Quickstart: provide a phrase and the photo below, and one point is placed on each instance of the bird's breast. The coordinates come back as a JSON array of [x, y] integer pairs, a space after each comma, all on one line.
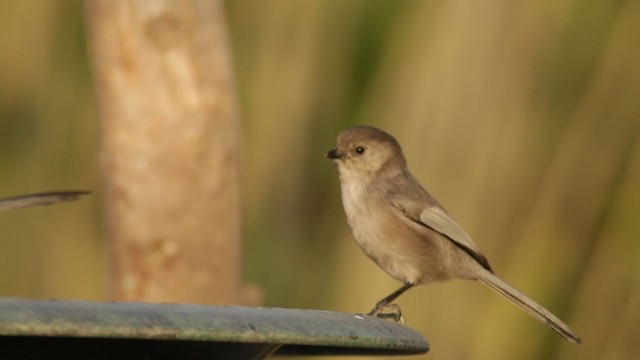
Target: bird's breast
[[382, 235]]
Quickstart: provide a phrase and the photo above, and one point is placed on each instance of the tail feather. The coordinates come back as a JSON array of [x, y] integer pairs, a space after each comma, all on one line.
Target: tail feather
[[528, 305], [38, 199]]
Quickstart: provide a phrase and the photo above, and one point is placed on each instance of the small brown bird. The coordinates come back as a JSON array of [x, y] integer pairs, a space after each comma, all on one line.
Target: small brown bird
[[405, 230]]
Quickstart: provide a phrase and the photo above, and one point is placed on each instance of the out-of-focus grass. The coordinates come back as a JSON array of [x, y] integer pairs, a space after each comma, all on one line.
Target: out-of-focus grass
[[522, 118], [48, 142]]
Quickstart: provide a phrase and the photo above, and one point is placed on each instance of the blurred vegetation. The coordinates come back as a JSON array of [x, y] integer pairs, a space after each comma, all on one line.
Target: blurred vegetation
[[522, 118]]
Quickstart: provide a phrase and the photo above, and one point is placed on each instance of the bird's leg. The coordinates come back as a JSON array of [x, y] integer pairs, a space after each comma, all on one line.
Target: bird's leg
[[394, 295], [388, 312], [385, 304]]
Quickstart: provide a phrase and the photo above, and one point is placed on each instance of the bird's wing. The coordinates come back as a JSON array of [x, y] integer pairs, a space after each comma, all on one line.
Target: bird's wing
[[48, 198], [437, 219], [408, 196]]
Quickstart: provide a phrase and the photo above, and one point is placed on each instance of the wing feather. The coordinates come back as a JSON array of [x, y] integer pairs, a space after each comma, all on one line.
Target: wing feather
[[407, 195], [437, 219]]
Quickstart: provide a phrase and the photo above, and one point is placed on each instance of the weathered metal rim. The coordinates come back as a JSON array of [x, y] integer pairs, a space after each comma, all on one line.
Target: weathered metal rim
[[87, 319]]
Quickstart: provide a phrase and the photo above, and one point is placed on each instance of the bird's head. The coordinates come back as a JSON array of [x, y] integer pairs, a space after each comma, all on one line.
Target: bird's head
[[365, 152]]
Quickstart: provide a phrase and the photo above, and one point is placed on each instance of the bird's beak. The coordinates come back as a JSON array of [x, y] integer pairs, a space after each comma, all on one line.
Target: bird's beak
[[333, 154]]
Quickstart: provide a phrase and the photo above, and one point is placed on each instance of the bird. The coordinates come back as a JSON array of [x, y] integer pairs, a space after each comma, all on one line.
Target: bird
[[405, 231], [39, 199]]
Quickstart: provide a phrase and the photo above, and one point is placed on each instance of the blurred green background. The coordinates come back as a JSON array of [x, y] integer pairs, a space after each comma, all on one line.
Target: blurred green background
[[522, 118]]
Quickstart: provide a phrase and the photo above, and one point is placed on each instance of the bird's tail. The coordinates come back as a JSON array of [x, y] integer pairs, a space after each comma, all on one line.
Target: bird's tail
[[531, 307], [44, 198]]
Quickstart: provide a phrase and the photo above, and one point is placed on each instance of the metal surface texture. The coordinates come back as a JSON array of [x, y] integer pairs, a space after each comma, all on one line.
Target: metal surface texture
[[32, 329]]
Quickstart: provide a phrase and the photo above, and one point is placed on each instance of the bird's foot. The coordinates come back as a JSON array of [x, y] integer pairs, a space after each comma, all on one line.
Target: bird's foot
[[387, 312]]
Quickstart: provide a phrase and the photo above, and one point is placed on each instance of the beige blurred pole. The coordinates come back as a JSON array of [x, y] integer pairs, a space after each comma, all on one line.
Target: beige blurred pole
[[169, 157]]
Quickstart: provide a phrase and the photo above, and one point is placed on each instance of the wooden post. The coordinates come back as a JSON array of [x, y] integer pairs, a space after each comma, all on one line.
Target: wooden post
[[169, 155]]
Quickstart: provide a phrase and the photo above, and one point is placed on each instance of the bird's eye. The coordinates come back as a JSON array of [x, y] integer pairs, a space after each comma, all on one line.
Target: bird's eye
[[360, 150]]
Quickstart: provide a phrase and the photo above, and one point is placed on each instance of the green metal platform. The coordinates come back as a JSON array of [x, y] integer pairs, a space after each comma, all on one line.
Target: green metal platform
[[35, 329]]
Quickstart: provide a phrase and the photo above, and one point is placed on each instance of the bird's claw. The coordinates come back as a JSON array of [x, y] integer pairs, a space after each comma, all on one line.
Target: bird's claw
[[387, 312]]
